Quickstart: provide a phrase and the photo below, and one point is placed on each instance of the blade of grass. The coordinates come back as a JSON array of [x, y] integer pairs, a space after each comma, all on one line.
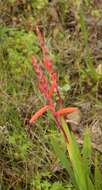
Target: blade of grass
[[88, 59], [86, 152], [98, 176]]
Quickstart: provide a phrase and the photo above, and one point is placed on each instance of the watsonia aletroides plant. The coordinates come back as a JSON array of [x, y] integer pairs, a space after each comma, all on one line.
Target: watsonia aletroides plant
[[48, 87], [79, 165]]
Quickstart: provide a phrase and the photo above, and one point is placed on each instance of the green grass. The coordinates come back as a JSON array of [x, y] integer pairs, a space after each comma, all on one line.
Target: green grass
[[17, 100], [27, 160]]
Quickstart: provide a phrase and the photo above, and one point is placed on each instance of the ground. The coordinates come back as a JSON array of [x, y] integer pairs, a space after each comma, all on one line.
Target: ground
[[73, 36]]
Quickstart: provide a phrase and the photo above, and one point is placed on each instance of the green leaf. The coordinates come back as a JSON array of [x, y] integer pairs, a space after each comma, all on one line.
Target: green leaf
[[98, 176], [76, 160], [87, 152], [60, 152]]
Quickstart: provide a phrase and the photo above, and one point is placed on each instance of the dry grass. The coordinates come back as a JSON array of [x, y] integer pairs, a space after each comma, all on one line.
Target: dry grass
[[25, 150]]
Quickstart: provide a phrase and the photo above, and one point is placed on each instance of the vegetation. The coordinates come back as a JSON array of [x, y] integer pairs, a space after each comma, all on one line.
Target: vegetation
[[37, 156]]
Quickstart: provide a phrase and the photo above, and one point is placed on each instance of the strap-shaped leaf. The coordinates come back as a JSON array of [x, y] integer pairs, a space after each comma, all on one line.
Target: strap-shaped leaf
[[60, 153], [98, 176], [76, 161]]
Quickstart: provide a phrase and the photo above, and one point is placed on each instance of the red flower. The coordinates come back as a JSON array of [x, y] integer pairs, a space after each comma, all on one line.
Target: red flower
[[47, 88], [39, 113]]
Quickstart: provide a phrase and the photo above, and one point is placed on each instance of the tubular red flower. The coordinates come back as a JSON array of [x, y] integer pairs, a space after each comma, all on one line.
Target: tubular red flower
[[63, 111], [48, 64], [46, 59], [37, 68], [39, 113], [52, 88], [43, 83]]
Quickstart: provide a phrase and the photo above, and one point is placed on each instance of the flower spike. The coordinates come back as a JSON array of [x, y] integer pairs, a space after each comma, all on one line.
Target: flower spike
[[48, 88]]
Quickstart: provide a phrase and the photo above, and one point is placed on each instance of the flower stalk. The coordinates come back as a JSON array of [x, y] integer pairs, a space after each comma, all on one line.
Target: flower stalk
[[48, 88]]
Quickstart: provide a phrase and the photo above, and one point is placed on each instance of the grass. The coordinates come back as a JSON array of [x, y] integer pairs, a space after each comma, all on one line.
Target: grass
[[27, 160]]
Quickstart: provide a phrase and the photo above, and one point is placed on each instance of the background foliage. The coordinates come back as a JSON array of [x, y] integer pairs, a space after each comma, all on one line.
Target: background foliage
[[27, 160]]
